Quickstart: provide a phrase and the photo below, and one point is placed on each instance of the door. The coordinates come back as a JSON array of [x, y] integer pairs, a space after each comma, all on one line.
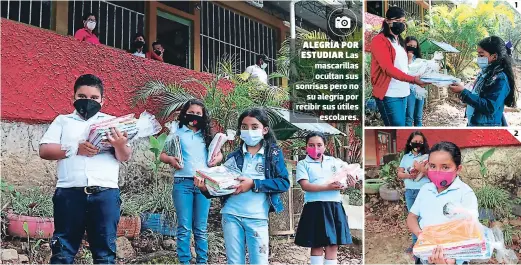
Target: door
[[175, 34]]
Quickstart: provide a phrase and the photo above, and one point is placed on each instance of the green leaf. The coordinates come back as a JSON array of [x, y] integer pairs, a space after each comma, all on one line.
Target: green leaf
[[161, 141], [26, 228], [487, 155], [154, 143]]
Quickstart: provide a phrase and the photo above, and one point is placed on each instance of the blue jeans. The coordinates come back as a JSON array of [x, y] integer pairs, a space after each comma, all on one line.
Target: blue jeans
[[414, 111], [392, 110], [192, 209], [410, 197], [75, 211], [254, 232]]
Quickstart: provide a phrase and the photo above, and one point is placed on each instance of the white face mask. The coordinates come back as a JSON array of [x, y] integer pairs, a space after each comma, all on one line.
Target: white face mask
[[264, 65], [91, 25]]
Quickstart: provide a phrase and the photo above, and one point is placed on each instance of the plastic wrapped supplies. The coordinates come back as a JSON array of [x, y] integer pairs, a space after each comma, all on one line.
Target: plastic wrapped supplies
[[217, 143], [353, 170], [145, 126], [439, 80], [220, 180], [463, 238], [428, 70], [413, 172], [172, 143]]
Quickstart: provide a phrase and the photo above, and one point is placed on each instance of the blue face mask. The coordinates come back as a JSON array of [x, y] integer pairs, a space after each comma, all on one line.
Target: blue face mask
[[482, 62], [252, 137]]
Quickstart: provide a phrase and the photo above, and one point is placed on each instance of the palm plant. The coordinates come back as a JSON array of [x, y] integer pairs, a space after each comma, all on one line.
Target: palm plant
[[222, 106]]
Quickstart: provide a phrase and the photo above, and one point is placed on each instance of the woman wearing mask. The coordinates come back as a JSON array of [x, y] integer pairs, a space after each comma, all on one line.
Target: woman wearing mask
[[138, 47], [191, 206], [87, 32], [389, 65], [415, 101], [494, 88], [415, 149]]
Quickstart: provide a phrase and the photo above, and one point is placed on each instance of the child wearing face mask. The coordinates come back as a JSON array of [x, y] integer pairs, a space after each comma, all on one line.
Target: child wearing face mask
[[191, 205], [87, 32], [138, 46], [446, 188], [323, 225], [87, 192], [415, 101], [415, 149], [264, 177], [494, 88]]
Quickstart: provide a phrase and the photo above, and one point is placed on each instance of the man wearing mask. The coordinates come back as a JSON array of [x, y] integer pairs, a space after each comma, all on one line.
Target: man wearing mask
[[258, 70], [157, 53], [138, 47]]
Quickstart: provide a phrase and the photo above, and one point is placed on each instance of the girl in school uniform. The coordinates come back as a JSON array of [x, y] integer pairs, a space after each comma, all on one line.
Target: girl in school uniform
[[264, 177], [445, 188], [191, 206], [323, 225], [494, 88], [415, 148]]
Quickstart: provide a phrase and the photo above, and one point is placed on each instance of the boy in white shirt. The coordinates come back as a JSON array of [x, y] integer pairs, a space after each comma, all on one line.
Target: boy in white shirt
[[87, 193]]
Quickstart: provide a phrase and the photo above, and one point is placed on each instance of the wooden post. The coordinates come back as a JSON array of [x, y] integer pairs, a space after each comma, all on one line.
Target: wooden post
[[60, 23]]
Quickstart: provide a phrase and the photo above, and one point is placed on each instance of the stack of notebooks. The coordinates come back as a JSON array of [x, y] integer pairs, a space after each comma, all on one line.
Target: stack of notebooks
[[462, 239], [439, 79], [220, 180], [423, 160]]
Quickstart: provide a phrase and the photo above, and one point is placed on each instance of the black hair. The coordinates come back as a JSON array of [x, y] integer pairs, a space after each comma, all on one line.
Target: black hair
[[133, 48], [386, 29], [262, 116], [263, 57], [156, 43], [451, 148], [408, 147], [88, 80], [315, 134], [85, 17], [418, 52], [503, 63], [205, 131]]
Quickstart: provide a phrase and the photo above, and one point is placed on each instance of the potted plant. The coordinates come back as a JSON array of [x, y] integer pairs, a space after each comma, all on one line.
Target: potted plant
[[29, 214], [372, 186], [129, 224], [391, 190]]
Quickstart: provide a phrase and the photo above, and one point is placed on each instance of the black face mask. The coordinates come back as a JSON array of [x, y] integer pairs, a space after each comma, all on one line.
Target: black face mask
[[87, 108], [397, 28], [417, 146], [158, 52], [411, 49], [139, 44], [195, 121]]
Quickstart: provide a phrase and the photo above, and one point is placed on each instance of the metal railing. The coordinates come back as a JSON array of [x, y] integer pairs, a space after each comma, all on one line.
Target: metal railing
[[116, 25], [36, 13]]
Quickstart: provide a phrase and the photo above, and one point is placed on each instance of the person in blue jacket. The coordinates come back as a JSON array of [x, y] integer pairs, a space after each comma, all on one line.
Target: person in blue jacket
[[494, 88], [264, 177]]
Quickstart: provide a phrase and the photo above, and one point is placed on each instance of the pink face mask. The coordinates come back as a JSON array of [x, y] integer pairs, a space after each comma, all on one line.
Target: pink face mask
[[441, 179], [314, 153]]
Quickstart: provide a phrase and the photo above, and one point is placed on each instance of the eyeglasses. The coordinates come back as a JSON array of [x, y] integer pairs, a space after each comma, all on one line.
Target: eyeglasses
[[91, 20]]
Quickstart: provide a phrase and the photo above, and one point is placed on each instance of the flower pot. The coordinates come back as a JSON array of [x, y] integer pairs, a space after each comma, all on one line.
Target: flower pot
[[372, 186], [129, 226], [38, 227], [389, 194], [158, 223]]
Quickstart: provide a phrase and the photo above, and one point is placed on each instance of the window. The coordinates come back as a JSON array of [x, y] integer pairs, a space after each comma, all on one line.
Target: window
[[36, 13], [116, 25], [225, 32]]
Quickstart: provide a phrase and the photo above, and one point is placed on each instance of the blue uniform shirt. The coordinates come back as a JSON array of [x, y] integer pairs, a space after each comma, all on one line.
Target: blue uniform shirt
[[319, 172], [407, 162], [194, 151]]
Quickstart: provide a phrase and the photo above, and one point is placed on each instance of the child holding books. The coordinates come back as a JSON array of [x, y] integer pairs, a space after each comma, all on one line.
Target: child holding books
[[191, 206], [410, 167], [323, 225], [445, 188], [245, 213], [87, 192]]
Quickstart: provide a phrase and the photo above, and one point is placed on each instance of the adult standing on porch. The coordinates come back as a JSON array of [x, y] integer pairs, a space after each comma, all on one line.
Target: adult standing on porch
[[258, 69], [389, 65], [87, 32]]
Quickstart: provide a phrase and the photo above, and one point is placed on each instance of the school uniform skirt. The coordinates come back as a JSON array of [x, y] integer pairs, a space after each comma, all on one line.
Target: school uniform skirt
[[323, 224]]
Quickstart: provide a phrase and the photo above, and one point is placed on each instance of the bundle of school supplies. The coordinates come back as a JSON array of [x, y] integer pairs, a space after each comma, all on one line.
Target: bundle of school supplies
[[172, 143], [429, 72], [220, 180], [423, 160], [439, 80], [346, 170], [217, 143], [146, 125], [463, 238]]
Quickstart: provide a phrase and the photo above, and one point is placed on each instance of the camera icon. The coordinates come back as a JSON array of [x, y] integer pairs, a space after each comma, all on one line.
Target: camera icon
[[342, 22]]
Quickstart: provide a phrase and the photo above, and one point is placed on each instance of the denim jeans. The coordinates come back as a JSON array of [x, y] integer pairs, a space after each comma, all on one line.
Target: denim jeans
[[414, 111], [392, 110], [410, 197], [191, 208], [75, 212], [238, 230]]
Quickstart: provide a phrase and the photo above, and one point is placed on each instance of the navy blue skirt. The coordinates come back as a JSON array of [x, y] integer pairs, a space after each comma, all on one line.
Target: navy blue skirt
[[323, 224]]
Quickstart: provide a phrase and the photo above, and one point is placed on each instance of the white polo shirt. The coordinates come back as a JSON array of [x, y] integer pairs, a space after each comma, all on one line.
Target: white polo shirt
[[81, 171], [256, 72], [429, 204]]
